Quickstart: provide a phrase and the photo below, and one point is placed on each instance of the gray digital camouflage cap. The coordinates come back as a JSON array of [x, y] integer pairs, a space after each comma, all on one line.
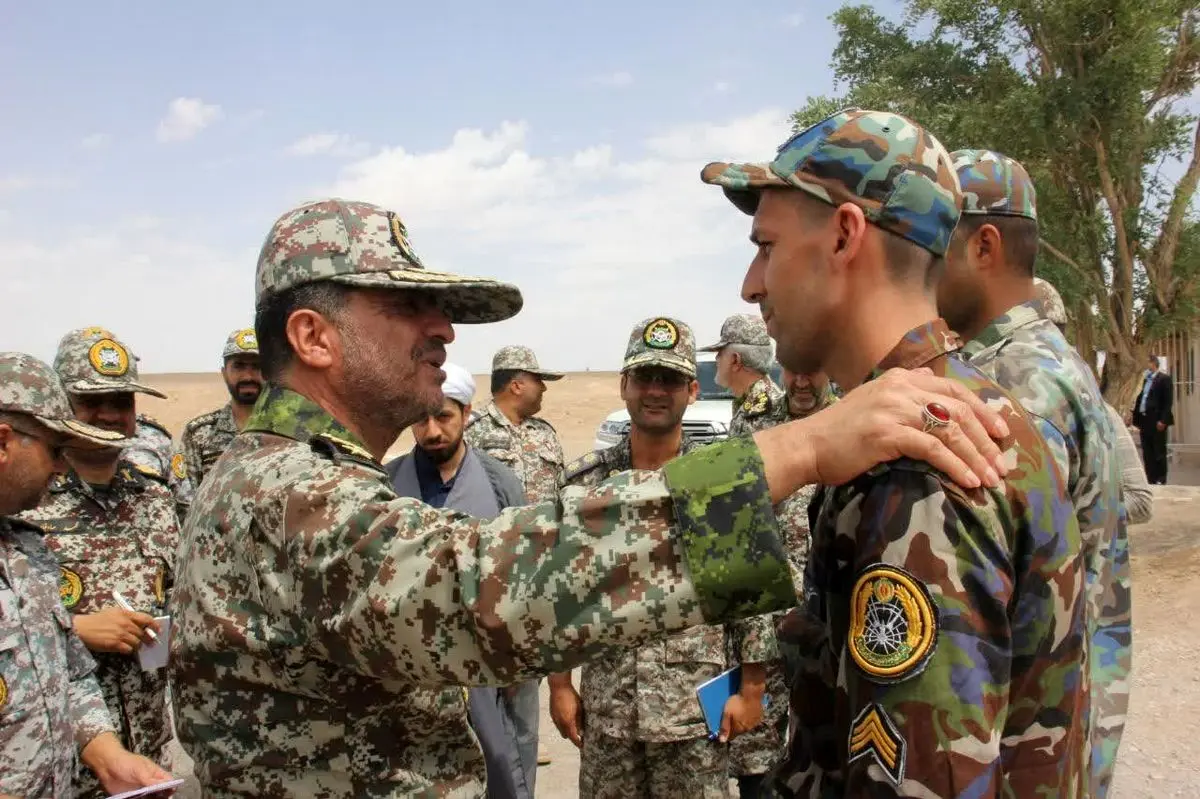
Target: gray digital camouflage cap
[[741, 328], [241, 342], [1052, 304], [365, 246], [886, 164], [994, 184], [91, 360], [30, 387], [521, 359], [660, 341]]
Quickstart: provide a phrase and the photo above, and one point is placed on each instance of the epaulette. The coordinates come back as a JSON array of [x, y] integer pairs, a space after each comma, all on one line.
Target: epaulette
[[201, 421], [756, 402], [581, 465], [475, 416], [152, 422], [339, 450], [147, 471], [540, 420], [59, 483]]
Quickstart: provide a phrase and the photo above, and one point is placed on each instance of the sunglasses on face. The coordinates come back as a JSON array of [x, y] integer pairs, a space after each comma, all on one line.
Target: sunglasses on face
[[666, 378]]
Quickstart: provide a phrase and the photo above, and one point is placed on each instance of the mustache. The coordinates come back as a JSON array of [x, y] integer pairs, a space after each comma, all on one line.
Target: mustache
[[432, 349], [243, 384]]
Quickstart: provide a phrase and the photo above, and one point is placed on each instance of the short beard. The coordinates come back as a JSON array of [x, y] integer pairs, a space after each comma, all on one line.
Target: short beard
[[371, 393], [236, 397]]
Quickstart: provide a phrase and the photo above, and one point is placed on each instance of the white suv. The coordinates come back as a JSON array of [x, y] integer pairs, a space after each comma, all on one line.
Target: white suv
[[706, 420]]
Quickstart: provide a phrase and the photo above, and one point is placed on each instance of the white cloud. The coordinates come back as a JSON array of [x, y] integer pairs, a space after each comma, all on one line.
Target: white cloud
[[794, 20], [339, 145], [616, 79], [95, 141], [186, 116]]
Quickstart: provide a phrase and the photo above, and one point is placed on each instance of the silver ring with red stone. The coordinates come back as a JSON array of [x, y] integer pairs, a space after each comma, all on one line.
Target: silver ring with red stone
[[935, 415]]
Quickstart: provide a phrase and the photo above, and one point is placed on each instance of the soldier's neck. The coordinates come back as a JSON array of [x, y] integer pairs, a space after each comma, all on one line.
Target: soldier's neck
[[880, 323], [999, 296], [652, 450], [94, 468], [508, 407], [740, 382]]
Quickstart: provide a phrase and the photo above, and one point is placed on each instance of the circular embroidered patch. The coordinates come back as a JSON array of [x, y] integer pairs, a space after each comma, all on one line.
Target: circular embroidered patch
[[3, 693], [893, 624], [246, 339], [178, 467], [400, 239], [70, 587], [109, 358], [660, 334]]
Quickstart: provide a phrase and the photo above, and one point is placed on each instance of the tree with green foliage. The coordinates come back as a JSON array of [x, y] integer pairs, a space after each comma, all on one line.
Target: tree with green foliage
[[1091, 96]]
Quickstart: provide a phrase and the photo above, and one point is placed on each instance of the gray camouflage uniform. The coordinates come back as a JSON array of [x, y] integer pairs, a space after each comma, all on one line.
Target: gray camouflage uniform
[[763, 405]]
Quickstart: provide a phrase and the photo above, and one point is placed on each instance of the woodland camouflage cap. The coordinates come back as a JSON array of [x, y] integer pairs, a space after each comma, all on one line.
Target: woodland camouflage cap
[[994, 184]]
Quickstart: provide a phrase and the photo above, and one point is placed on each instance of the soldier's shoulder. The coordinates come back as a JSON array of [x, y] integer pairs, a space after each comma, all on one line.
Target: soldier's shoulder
[[343, 452], [583, 466], [143, 474], [541, 424], [201, 422], [149, 421], [759, 400]]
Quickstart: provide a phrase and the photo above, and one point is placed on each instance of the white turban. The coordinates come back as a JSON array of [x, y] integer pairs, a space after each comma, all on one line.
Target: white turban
[[459, 384]]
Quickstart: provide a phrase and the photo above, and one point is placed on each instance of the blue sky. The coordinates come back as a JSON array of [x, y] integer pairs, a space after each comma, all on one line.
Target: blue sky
[[149, 146]]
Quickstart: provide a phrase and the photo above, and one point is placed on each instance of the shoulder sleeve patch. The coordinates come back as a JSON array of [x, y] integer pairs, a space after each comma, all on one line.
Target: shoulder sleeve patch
[[893, 624], [581, 466]]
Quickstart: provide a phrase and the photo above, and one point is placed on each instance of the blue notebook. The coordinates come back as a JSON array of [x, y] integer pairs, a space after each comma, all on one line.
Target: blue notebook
[[715, 693]]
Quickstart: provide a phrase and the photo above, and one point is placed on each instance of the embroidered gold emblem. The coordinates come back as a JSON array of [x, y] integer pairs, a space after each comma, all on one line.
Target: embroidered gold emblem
[[94, 432], [160, 591], [246, 339], [893, 626], [3, 693], [400, 239], [660, 334], [873, 734], [178, 467], [92, 332], [109, 358], [70, 587]]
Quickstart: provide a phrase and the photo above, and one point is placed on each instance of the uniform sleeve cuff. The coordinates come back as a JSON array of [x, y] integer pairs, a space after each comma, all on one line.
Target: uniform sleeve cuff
[[728, 530]]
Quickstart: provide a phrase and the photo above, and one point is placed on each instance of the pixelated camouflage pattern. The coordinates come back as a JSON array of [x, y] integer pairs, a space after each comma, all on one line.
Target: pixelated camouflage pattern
[[763, 405], [741, 328], [73, 362], [886, 164], [999, 707], [204, 439], [1052, 305], [522, 359], [122, 539], [1028, 356], [52, 704], [993, 184], [243, 341], [363, 245], [31, 387], [153, 448], [661, 341], [618, 768], [317, 616], [531, 449]]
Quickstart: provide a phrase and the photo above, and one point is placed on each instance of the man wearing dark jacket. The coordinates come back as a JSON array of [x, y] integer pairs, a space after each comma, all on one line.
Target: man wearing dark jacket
[[1152, 415], [444, 472]]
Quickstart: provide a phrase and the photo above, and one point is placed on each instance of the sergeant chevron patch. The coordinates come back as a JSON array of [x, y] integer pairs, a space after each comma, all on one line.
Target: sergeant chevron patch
[[874, 734]]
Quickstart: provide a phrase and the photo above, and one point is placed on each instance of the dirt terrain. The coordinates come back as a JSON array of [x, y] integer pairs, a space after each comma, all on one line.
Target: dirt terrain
[[1160, 752]]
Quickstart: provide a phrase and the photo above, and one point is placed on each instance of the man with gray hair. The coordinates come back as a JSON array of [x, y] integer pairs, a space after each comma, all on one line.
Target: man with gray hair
[[744, 356]]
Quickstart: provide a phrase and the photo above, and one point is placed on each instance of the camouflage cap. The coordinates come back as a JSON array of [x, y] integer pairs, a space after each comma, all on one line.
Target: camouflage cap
[[994, 184], [660, 341], [886, 164], [363, 245], [741, 328], [241, 342], [91, 360], [520, 359], [1052, 304], [30, 387]]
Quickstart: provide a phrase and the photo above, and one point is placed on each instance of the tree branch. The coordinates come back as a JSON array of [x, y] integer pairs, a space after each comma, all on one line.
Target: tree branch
[[1122, 287], [1162, 259]]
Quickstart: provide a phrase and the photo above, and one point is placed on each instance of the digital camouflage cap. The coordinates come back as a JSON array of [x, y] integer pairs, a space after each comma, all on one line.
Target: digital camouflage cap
[[741, 328], [365, 246], [993, 184], [520, 359], [661, 341], [241, 342], [91, 360], [1052, 304], [897, 172], [30, 387]]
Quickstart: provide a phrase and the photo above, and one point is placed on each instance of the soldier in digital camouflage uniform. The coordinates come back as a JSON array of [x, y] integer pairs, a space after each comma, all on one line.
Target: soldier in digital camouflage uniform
[[743, 360], [153, 448], [988, 296], [642, 731], [52, 711], [207, 436], [113, 527], [322, 624], [954, 653]]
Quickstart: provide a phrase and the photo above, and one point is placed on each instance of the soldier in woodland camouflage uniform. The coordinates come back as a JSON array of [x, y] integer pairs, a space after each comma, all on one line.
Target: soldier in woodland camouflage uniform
[[321, 622], [639, 723], [52, 710], [113, 527], [954, 653], [988, 296], [206, 437], [743, 360]]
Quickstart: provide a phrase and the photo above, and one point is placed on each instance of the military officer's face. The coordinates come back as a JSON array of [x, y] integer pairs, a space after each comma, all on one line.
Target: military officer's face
[[532, 389], [656, 397], [724, 361], [960, 291], [243, 378], [116, 411], [440, 434], [804, 392], [29, 456]]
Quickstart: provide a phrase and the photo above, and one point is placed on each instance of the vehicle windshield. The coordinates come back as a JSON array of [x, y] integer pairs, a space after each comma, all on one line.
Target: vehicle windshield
[[706, 375]]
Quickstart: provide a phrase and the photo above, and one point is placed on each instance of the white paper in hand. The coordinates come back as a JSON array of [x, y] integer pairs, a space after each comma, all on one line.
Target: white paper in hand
[[149, 790], [154, 655]]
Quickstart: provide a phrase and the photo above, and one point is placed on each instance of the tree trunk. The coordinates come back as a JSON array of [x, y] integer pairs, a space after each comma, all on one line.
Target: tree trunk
[[1121, 381]]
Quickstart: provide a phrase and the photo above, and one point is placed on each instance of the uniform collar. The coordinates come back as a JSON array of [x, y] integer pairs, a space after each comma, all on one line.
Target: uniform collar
[[920, 346], [1004, 326], [283, 412]]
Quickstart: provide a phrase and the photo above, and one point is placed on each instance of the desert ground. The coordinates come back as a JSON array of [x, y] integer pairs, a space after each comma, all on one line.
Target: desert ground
[[1160, 752]]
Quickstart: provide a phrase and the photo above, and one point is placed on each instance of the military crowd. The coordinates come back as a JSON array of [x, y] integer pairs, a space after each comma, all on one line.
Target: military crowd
[[921, 575]]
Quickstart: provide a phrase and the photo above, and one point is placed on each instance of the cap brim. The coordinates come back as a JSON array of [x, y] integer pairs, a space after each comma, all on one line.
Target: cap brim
[[84, 433], [464, 299], [742, 183], [113, 386], [664, 359], [713, 347], [547, 375]]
